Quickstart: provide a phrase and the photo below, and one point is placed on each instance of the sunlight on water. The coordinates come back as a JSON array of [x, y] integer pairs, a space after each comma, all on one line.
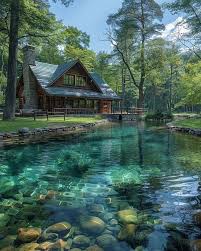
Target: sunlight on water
[[121, 187]]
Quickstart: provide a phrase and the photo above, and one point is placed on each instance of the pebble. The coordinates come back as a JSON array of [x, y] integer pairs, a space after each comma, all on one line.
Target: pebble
[[106, 240], [92, 224], [94, 248], [81, 241]]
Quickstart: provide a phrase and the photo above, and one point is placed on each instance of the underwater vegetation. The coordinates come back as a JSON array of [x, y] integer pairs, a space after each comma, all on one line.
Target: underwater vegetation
[[72, 162]]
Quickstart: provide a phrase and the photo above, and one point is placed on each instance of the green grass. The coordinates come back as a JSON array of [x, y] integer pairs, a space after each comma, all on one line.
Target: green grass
[[190, 123], [13, 126]]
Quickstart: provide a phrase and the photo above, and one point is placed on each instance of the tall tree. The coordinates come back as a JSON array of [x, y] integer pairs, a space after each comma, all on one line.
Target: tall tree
[[35, 18], [190, 9], [138, 21]]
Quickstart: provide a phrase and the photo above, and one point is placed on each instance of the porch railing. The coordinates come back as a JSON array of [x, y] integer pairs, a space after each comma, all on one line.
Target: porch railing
[[72, 111], [129, 110]]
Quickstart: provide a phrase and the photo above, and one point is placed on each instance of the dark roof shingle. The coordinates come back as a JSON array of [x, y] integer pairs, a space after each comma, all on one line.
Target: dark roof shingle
[[46, 74]]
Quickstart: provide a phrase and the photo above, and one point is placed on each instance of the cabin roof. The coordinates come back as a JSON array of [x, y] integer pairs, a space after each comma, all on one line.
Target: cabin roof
[[47, 74]]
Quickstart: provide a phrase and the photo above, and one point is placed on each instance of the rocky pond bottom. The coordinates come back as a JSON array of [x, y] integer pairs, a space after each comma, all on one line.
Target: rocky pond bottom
[[118, 188]]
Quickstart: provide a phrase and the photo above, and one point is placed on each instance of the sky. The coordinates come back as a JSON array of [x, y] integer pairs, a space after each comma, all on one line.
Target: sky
[[90, 16]]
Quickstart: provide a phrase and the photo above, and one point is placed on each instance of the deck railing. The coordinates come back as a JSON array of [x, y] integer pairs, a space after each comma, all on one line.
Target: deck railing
[[129, 110], [72, 111]]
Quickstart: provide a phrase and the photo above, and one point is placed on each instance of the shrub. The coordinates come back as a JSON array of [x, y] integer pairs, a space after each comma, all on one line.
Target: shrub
[[159, 116]]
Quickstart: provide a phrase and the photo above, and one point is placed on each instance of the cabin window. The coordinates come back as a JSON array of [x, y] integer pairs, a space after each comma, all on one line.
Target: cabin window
[[82, 103], [81, 81], [90, 103], [69, 80], [76, 103]]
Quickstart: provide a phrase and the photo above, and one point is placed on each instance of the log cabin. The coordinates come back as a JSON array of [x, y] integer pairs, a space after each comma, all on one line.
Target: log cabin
[[69, 86]]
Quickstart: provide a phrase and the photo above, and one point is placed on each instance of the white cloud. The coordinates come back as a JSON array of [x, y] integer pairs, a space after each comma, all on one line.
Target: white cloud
[[175, 30]]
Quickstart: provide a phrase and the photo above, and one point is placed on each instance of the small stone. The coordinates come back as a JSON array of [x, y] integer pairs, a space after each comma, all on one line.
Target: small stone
[[28, 247], [81, 241], [92, 224], [60, 228], [45, 245], [113, 222], [97, 208], [127, 232], [94, 248], [23, 130], [127, 216], [58, 245], [51, 194], [106, 241], [28, 234]]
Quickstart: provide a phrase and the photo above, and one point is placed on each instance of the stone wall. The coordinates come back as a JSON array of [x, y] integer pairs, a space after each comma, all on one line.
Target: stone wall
[[195, 132], [26, 136]]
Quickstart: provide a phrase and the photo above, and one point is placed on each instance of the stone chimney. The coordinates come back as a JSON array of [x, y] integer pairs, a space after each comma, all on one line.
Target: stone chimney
[[28, 78]]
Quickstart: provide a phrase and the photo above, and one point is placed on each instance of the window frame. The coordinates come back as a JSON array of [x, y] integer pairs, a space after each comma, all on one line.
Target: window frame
[[69, 75], [81, 77]]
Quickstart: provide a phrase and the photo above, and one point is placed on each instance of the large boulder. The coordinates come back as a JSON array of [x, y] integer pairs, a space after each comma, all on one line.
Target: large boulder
[[127, 216], [91, 224], [26, 235]]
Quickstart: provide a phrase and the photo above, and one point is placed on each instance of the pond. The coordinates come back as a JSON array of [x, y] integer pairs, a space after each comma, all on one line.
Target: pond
[[122, 187]]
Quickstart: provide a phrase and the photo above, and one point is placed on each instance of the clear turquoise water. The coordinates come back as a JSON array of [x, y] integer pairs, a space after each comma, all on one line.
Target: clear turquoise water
[[118, 166]]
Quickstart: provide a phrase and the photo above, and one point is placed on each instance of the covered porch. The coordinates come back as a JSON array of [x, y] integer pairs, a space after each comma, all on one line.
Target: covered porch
[[71, 105]]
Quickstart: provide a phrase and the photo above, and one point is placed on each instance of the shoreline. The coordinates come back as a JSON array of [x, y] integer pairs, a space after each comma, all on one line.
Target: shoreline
[[186, 130], [38, 135]]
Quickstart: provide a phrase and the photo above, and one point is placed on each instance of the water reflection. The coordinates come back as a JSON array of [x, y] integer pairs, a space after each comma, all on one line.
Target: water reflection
[[98, 174]]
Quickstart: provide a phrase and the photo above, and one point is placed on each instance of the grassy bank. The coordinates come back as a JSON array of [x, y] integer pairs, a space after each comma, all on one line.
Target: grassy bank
[[13, 126], [189, 123]]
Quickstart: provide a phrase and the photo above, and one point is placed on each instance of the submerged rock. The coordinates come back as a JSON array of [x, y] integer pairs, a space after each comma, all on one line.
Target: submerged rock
[[60, 228], [81, 241], [4, 219], [94, 248], [106, 241], [92, 224], [127, 216], [28, 234], [127, 232], [28, 247], [58, 245], [97, 208], [6, 184]]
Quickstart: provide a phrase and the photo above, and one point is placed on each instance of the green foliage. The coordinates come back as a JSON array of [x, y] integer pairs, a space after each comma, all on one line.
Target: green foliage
[[129, 175], [71, 162], [2, 87], [190, 85], [159, 116]]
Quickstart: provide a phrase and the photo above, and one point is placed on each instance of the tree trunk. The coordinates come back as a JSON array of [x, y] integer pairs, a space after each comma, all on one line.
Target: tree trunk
[[10, 100], [142, 60], [141, 97]]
